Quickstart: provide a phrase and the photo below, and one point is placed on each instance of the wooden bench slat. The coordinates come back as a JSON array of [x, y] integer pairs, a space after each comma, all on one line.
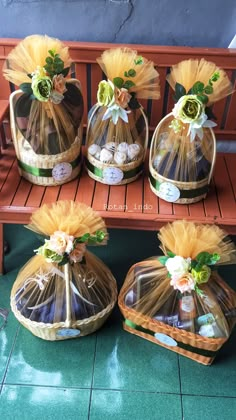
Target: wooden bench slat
[[224, 189], [100, 196], [230, 160], [211, 203], [9, 188], [36, 196], [50, 195], [85, 189], [68, 190], [22, 193], [134, 196], [6, 162], [117, 198]]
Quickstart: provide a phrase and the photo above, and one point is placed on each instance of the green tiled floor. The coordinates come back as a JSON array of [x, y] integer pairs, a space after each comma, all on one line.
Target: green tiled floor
[[110, 374]]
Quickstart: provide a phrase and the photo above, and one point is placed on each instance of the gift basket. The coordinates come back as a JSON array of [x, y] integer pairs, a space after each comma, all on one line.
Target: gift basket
[[46, 113], [183, 146], [178, 300], [117, 132], [64, 291]]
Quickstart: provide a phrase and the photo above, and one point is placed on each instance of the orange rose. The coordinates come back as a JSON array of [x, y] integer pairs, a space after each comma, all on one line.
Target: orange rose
[[59, 83], [77, 254], [122, 97], [185, 283]]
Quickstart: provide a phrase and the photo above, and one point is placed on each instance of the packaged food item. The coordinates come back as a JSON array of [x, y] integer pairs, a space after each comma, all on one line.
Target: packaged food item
[[180, 301], [64, 291]]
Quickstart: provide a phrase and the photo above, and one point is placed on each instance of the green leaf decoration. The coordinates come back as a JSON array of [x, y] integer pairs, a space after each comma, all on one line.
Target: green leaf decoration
[[171, 254], [198, 87], [203, 98], [179, 91], [128, 84], [26, 88], [65, 71], [199, 291], [49, 60], [130, 73], [163, 260], [52, 52], [83, 238], [118, 82], [215, 76], [205, 258], [208, 90], [139, 60]]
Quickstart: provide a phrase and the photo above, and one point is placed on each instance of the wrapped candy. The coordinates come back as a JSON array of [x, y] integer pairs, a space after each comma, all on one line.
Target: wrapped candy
[[64, 291], [183, 146], [179, 300], [46, 113], [118, 122]]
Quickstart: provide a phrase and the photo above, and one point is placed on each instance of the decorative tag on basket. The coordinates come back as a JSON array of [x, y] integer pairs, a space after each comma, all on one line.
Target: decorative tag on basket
[[46, 113], [117, 132], [179, 300], [64, 291], [183, 146]]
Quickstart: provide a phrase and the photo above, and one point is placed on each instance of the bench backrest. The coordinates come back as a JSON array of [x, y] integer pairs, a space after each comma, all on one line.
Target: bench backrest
[[84, 55]]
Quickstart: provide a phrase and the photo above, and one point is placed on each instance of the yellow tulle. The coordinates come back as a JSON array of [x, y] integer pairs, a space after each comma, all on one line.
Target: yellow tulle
[[188, 239], [70, 217], [115, 62], [188, 72], [30, 53]]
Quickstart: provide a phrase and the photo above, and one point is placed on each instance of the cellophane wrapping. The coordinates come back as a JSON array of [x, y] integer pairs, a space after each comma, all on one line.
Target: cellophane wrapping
[[41, 294], [198, 302]]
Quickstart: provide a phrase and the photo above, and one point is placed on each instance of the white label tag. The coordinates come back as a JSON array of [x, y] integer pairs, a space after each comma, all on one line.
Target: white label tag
[[68, 332], [62, 171], [165, 339], [168, 192], [112, 175]]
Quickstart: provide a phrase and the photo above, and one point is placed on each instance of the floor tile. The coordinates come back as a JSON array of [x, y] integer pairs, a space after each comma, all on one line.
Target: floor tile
[[8, 332], [36, 403], [205, 408], [65, 363], [125, 361], [217, 379], [106, 405]]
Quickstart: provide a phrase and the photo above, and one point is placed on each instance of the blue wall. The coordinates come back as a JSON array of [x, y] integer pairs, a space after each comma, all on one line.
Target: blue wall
[[209, 23]]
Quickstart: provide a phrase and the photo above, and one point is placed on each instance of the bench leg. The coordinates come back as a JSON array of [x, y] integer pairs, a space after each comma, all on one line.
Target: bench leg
[[3, 136], [1, 248]]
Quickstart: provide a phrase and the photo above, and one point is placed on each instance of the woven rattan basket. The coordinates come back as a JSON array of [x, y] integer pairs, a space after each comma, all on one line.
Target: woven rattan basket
[[201, 349], [173, 190], [112, 173], [67, 329], [46, 170]]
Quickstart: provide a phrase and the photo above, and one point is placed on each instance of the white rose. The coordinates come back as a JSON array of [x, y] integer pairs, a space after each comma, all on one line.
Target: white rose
[[60, 242], [178, 266]]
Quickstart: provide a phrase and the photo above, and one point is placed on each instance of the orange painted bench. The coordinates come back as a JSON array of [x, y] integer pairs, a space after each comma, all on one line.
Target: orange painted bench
[[131, 206]]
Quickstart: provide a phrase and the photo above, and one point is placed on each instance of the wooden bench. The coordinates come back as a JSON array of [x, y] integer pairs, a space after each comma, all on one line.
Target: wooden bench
[[132, 206]]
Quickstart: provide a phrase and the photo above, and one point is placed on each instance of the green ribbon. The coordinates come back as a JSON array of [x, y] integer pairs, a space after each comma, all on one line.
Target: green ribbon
[[44, 171], [197, 192], [202, 352], [99, 172]]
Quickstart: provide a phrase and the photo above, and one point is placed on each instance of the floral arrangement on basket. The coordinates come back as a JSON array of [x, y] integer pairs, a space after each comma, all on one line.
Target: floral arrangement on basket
[[117, 131], [182, 153], [46, 112], [64, 291], [179, 300]]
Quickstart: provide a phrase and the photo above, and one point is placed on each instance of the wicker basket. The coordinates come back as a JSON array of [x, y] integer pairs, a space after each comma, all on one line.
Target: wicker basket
[[67, 329], [173, 190], [41, 169], [201, 349], [112, 173]]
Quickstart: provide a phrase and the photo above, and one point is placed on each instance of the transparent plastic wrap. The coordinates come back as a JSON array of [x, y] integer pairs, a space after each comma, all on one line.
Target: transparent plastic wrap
[[117, 133], [183, 146], [179, 300], [64, 291], [46, 113]]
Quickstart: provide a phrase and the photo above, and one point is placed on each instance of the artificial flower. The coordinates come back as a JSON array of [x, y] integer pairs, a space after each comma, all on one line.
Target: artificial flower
[[59, 83], [196, 127], [48, 254], [41, 86], [178, 266], [188, 108], [201, 276], [122, 97], [105, 94], [115, 112], [61, 243], [185, 283], [77, 253]]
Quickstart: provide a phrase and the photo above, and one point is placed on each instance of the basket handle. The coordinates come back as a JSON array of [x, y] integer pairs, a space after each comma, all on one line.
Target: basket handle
[[68, 296]]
